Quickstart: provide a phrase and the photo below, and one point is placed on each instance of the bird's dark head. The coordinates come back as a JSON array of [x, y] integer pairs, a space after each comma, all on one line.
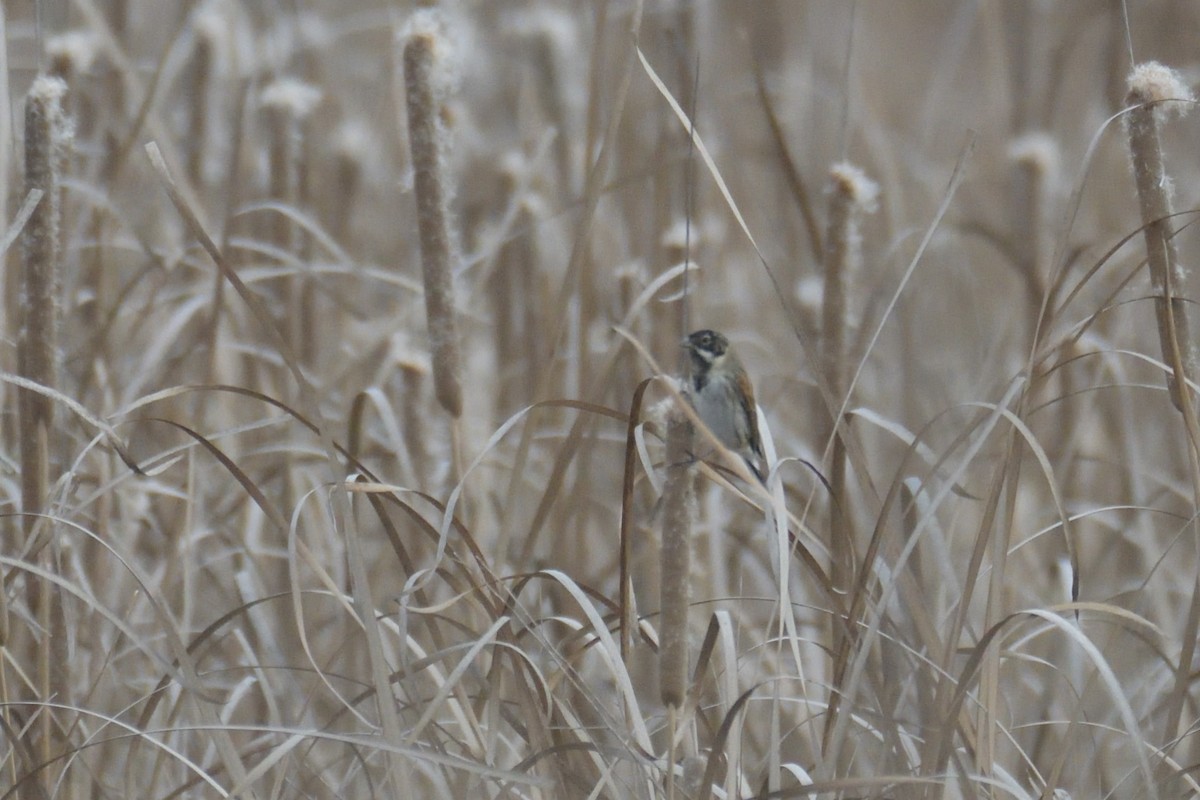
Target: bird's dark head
[[706, 347]]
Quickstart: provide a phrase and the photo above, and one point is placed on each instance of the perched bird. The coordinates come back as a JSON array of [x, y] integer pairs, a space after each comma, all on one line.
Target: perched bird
[[720, 391]]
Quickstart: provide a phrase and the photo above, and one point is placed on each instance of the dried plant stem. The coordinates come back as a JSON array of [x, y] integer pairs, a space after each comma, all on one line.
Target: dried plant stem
[[37, 360], [427, 137], [550, 94], [1153, 91], [628, 622], [1148, 90], [289, 104], [38, 339], [10, 307], [1035, 158], [791, 172], [198, 109], [672, 733], [515, 283], [5, 125], [849, 194], [678, 508], [348, 180], [412, 377]]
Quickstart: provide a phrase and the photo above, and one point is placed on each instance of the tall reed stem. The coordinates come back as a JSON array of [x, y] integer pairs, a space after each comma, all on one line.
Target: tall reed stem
[[851, 193], [1154, 91], [679, 507], [428, 139], [46, 135], [678, 511]]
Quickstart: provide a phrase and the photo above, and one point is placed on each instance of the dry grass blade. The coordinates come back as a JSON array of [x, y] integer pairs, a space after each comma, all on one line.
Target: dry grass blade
[[196, 228], [18, 224], [795, 180], [628, 623]]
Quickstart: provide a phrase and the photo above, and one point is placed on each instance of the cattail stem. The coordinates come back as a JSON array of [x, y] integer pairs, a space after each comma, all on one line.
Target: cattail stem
[[5, 125], [37, 360], [9, 304], [352, 145], [203, 60], [289, 104], [412, 377], [1153, 90], [37, 348], [850, 194], [549, 90], [1035, 156], [679, 506], [839, 253], [516, 323], [427, 137]]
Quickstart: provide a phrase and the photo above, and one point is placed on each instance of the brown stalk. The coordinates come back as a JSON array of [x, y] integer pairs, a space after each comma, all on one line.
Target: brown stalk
[[37, 360], [427, 139], [850, 193], [679, 507], [289, 104], [198, 109], [1154, 90], [1151, 88]]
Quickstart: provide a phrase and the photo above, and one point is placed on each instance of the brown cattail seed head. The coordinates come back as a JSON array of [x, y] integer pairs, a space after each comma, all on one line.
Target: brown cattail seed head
[[679, 509], [425, 82], [46, 139], [1155, 91]]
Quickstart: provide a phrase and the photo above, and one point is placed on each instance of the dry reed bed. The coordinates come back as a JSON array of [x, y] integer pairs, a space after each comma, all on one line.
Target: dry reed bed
[[333, 445]]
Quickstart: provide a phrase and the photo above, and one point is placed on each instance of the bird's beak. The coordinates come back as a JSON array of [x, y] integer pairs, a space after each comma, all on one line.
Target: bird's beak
[[684, 342]]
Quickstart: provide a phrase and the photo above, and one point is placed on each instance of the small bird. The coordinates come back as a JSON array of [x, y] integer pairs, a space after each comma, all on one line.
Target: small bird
[[720, 391]]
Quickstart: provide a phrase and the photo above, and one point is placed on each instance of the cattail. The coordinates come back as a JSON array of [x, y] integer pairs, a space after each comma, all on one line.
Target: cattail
[[412, 377], [289, 103], [70, 56], [72, 53], [46, 136], [1155, 91], [514, 283], [5, 125], [678, 509], [851, 194], [37, 354], [1035, 156], [352, 145], [424, 76], [5, 147], [211, 25], [74, 56]]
